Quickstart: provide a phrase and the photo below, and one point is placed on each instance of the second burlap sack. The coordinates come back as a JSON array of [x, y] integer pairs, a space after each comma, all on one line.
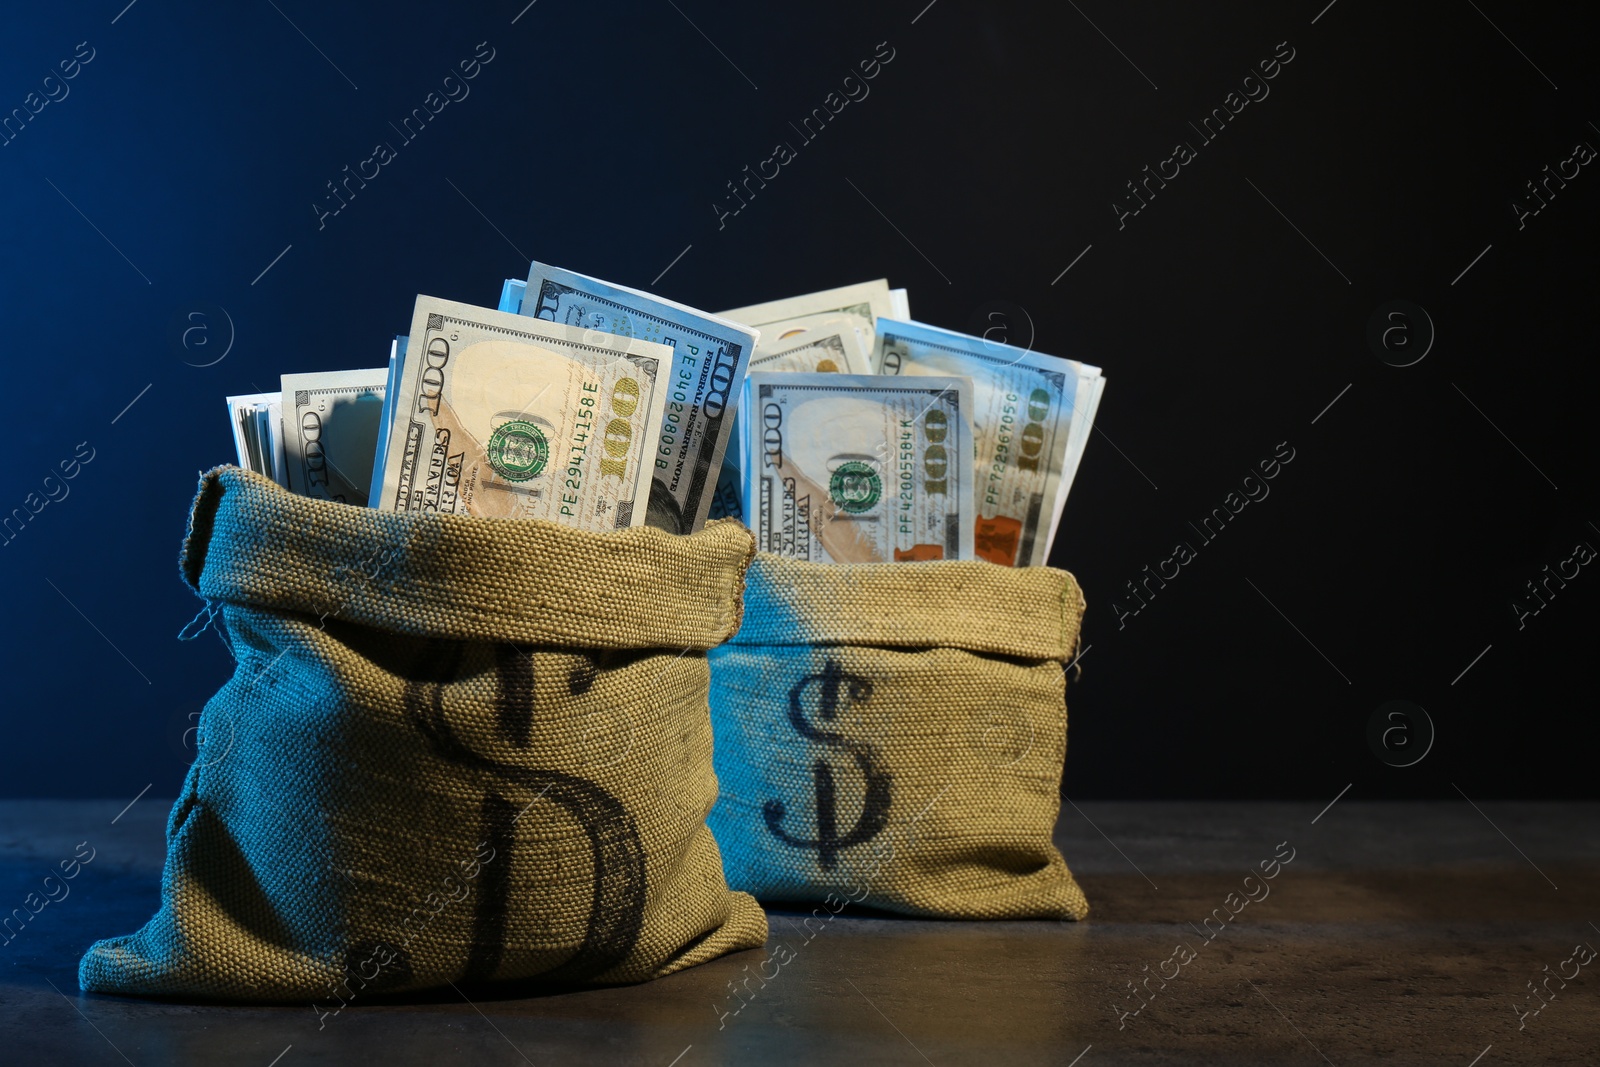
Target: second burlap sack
[[893, 734], [453, 750]]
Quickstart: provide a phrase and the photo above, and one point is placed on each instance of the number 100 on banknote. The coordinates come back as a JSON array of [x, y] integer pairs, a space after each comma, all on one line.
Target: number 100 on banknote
[[845, 468]]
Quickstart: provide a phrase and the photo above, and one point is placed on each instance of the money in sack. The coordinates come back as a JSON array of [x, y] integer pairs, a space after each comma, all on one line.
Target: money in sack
[[453, 749], [893, 734]]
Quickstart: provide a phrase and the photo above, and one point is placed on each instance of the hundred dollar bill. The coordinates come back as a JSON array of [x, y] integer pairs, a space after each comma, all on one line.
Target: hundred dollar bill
[[863, 304], [845, 468], [501, 415], [331, 433], [1026, 422], [832, 347], [709, 356]]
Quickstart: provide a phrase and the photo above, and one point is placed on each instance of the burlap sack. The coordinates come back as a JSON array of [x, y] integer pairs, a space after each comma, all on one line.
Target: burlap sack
[[454, 749], [894, 733]]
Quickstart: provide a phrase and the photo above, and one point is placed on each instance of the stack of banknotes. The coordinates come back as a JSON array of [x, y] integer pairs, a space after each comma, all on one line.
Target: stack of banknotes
[[832, 424]]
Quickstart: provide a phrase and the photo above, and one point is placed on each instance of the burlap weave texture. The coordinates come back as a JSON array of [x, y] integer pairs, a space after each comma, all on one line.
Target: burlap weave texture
[[894, 734]]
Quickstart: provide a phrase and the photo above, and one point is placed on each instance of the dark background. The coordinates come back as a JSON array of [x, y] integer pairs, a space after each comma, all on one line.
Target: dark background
[[190, 149]]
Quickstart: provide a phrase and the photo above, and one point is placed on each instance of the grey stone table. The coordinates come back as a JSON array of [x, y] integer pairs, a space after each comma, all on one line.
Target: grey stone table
[[1398, 933]]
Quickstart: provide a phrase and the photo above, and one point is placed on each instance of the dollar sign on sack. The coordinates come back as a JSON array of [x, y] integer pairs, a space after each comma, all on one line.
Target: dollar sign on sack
[[830, 687], [616, 851]]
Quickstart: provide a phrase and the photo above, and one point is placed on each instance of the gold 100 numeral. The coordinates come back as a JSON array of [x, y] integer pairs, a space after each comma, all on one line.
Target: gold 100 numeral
[[1032, 442], [619, 431], [935, 460]]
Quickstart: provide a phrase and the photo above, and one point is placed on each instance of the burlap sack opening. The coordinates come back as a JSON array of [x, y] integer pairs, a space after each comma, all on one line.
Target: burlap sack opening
[[893, 734], [453, 749]]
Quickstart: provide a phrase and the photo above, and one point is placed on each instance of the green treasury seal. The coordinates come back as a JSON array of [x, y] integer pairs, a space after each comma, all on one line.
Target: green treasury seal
[[855, 487], [518, 451]]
